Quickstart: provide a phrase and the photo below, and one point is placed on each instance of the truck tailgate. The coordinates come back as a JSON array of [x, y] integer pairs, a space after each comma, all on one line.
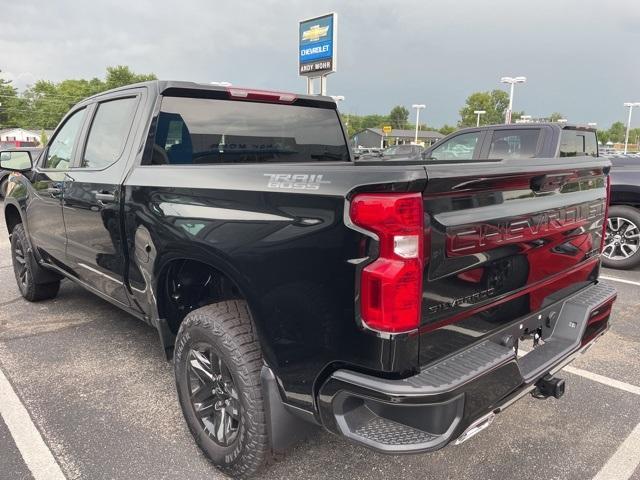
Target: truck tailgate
[[505, 239]]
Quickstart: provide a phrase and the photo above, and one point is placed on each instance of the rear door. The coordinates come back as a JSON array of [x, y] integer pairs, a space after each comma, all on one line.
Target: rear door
[[506, 238], [92, 195]]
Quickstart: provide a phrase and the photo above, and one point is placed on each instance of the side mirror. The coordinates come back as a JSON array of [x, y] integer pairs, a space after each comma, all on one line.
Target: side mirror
[[16, 161]]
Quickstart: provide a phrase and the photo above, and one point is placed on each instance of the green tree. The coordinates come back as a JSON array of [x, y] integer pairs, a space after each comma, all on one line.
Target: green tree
[[634, 138], [43, 105], [398, 117], [10, 108], [358, 123], [495, 103], [121, 75], [555, 116], [43, 138], [617, 132], [447, 129], [603, 136]]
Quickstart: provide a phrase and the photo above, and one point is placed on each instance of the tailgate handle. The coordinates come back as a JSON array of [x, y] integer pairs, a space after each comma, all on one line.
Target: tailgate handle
[[550, 182]]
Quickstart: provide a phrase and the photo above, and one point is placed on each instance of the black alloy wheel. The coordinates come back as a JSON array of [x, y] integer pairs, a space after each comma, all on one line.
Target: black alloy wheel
[[214, 396], [20, 266]]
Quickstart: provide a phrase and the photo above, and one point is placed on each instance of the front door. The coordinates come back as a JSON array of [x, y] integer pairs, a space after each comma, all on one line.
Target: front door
[[45, 221], [92, 198]]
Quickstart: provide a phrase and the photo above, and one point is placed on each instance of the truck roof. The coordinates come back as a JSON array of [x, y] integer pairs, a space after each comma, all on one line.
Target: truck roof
[[519, 126], [163, 86]]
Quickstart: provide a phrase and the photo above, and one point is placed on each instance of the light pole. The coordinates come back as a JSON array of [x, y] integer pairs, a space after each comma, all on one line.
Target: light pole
[[478, 113], [511, 81], [626, 137], [418, 107]]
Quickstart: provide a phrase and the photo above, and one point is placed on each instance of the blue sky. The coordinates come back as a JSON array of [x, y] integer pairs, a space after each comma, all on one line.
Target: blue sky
[[581, 58]]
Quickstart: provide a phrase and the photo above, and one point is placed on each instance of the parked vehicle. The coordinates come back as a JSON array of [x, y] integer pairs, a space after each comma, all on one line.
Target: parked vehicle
[[402, 152], [16, 158], [515, 141], [366, 151], [622, 242], [384, 301]]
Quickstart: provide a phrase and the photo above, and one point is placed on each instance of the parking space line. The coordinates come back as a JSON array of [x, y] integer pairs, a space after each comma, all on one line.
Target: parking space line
[[627, 387], [34, 451], [621, 280], [624, 461], [611, 382]]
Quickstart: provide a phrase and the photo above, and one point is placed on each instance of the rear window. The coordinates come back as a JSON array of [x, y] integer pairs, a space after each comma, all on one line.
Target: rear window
[[575, 143], [209, 131], [514, 143]]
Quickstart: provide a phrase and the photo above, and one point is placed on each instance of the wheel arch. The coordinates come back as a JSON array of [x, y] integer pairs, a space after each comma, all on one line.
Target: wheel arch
[[625, 195], [225, 283], [12, 216]]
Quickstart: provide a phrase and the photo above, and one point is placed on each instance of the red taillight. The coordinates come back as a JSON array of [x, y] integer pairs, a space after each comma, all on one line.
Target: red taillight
[[261, 95], [391, 286], [606, 214]]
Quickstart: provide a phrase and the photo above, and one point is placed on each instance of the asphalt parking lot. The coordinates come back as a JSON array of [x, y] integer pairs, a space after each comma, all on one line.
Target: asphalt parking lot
[[94, 383]]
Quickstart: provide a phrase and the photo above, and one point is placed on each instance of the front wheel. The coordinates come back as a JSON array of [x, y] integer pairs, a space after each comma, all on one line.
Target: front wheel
[[622, 238], [217, 365], [30, 275]]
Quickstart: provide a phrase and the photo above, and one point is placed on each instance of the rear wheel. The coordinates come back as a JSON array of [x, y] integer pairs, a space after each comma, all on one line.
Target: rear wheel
[[622, 238], [27, 270], [217, 366]]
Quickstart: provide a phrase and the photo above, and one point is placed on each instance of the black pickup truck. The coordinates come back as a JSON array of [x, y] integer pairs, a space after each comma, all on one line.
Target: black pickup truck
[[622, 240], [390, 303]]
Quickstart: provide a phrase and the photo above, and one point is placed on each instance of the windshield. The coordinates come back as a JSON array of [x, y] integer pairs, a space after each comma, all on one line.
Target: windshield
[[210, 131]]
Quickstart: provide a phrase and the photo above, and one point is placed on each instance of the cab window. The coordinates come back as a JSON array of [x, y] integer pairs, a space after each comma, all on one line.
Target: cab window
[[60, 150], [460, 147], [578, 143], [514, 143], [109, 132]]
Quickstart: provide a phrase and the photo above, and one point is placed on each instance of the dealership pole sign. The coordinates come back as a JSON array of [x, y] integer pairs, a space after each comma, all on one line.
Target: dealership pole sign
[[317, 46]]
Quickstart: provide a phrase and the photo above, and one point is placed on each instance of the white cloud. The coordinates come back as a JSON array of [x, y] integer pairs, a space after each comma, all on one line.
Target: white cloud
[[579, 57]]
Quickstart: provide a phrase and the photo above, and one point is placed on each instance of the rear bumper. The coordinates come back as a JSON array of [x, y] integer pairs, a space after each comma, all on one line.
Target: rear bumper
[[458, 394]]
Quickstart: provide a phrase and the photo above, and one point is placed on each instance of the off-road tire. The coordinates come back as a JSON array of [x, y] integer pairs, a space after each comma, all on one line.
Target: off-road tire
[[630, 214], [28, 273], [3, 186], [227, 328]]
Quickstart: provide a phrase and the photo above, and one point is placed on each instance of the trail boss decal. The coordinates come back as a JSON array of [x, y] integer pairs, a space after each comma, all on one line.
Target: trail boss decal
[[298, 181]]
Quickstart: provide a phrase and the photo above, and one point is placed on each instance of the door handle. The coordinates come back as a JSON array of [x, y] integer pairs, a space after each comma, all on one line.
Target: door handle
[[105, 197]]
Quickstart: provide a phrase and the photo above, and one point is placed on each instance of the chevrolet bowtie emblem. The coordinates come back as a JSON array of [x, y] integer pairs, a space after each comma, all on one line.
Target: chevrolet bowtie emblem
[[315, 33]]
